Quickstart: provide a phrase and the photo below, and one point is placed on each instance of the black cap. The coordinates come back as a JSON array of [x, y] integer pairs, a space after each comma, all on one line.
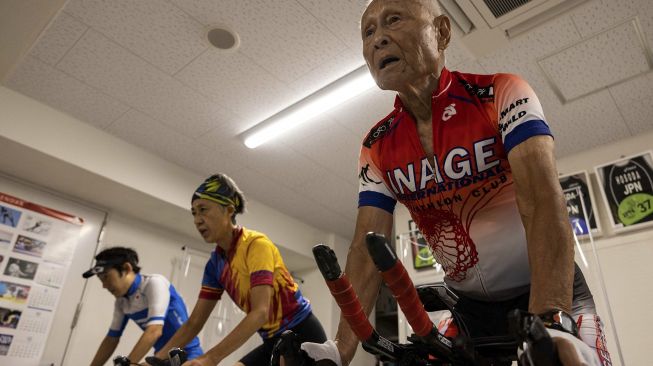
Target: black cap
[[101, 267]]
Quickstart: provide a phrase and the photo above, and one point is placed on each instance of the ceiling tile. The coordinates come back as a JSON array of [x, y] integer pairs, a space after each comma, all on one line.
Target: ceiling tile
[[145, 132], [108, 67], [287, 200], [222, 138], [526, 48], [340, 17], [590, 64], [645, 19], [40, 81], [283, 37], [610, 13], [275, 160], [328, 144], [155, 30], [360, 114], [586, 123], [57, 39], [342, 194], [232, 78], [141, 130], [638, 114], [636, 89], [457, 53], [471, 67], [328, 72]]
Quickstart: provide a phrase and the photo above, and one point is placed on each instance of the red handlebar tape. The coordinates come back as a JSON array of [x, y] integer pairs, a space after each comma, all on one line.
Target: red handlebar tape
[[404, 291], [350, 307]]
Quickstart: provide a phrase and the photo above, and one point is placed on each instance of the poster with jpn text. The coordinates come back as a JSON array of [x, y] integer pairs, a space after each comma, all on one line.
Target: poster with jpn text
[[627, 189], [581, 206]]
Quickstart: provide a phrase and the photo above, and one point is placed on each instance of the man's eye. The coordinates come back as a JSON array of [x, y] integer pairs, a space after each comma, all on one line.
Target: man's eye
[[393, 19]]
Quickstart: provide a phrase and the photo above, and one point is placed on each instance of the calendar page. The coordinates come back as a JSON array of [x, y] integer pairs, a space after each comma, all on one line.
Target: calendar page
[[36, 247]]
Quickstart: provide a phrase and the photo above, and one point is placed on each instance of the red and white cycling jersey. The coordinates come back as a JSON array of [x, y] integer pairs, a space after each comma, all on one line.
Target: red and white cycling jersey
[[465, 204]]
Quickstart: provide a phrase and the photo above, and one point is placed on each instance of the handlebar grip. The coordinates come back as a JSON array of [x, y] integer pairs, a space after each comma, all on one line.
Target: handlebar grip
[[177, 357], [121, 361], [395, 276], [342, 292], [327, 262]]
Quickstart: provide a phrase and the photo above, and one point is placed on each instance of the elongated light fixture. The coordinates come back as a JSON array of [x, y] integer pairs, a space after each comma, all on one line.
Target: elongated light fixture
[[347, 87]]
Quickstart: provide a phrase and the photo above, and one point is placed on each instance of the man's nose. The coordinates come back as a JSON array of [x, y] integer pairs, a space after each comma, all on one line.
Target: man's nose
[[380, 40]]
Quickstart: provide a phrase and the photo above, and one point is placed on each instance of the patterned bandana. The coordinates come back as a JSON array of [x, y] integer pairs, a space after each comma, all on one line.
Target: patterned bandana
[[214, 189]]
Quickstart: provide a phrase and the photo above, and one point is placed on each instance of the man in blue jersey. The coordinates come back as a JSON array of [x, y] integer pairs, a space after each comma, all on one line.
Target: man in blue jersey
[[149, 300]]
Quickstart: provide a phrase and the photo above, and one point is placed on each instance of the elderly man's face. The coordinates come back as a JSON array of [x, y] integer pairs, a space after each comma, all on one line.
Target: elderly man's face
[[400, 43]]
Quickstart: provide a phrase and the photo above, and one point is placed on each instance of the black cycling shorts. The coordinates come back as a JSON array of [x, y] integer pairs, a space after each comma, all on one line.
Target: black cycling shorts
[[309, 330]]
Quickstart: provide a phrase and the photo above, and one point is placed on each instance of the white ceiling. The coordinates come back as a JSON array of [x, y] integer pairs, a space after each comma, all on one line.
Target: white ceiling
[[143, 71]]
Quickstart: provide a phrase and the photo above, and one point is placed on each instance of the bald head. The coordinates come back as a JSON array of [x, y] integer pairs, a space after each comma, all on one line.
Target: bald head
[[431, 6], [404, 42]]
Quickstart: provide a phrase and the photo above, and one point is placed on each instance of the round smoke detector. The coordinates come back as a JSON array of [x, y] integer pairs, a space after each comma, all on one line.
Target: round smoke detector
[[222, 38]]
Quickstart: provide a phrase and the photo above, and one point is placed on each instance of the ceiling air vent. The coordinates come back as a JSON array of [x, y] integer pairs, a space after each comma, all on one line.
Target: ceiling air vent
[[501, 7], [506, 14]]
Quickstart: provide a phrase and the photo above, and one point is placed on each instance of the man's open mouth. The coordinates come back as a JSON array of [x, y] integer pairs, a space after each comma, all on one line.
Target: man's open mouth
[[387, 61]]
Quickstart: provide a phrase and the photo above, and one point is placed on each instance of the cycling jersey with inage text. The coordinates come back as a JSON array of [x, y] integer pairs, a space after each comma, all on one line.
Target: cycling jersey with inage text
[[462, 198]]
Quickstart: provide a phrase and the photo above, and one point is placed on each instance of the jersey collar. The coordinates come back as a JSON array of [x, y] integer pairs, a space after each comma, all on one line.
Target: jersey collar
[[444, 83], [238, 231], [134, 286]]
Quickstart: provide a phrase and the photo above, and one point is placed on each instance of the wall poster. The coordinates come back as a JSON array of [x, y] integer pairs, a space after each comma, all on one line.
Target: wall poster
[[581, 206], [37, 244], [627, 188], [422, 256]]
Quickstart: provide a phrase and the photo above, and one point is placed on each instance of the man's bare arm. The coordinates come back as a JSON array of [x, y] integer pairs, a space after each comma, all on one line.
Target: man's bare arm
[[145, 342], [544, 215], [260, 298], [190, 328], [362, 273], [105, 350]]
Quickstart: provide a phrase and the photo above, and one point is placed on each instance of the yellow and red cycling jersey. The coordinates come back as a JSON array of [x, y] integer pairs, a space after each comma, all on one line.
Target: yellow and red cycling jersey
[[253, 260]]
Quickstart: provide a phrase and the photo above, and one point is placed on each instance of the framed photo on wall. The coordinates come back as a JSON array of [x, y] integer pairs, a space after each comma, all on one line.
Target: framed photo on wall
[[581, 206], [627, 189], [422, 256]]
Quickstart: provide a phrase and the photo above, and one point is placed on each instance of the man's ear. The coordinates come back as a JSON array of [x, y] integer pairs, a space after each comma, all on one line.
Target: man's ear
[[231, 210], [443, 25], [127, 267]]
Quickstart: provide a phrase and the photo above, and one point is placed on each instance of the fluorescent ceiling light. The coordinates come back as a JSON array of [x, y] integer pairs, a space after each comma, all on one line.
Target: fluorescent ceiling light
[[315, 104]]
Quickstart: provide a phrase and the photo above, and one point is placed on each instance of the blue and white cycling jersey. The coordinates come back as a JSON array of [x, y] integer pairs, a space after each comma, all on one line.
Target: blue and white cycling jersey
[[151, 300]]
